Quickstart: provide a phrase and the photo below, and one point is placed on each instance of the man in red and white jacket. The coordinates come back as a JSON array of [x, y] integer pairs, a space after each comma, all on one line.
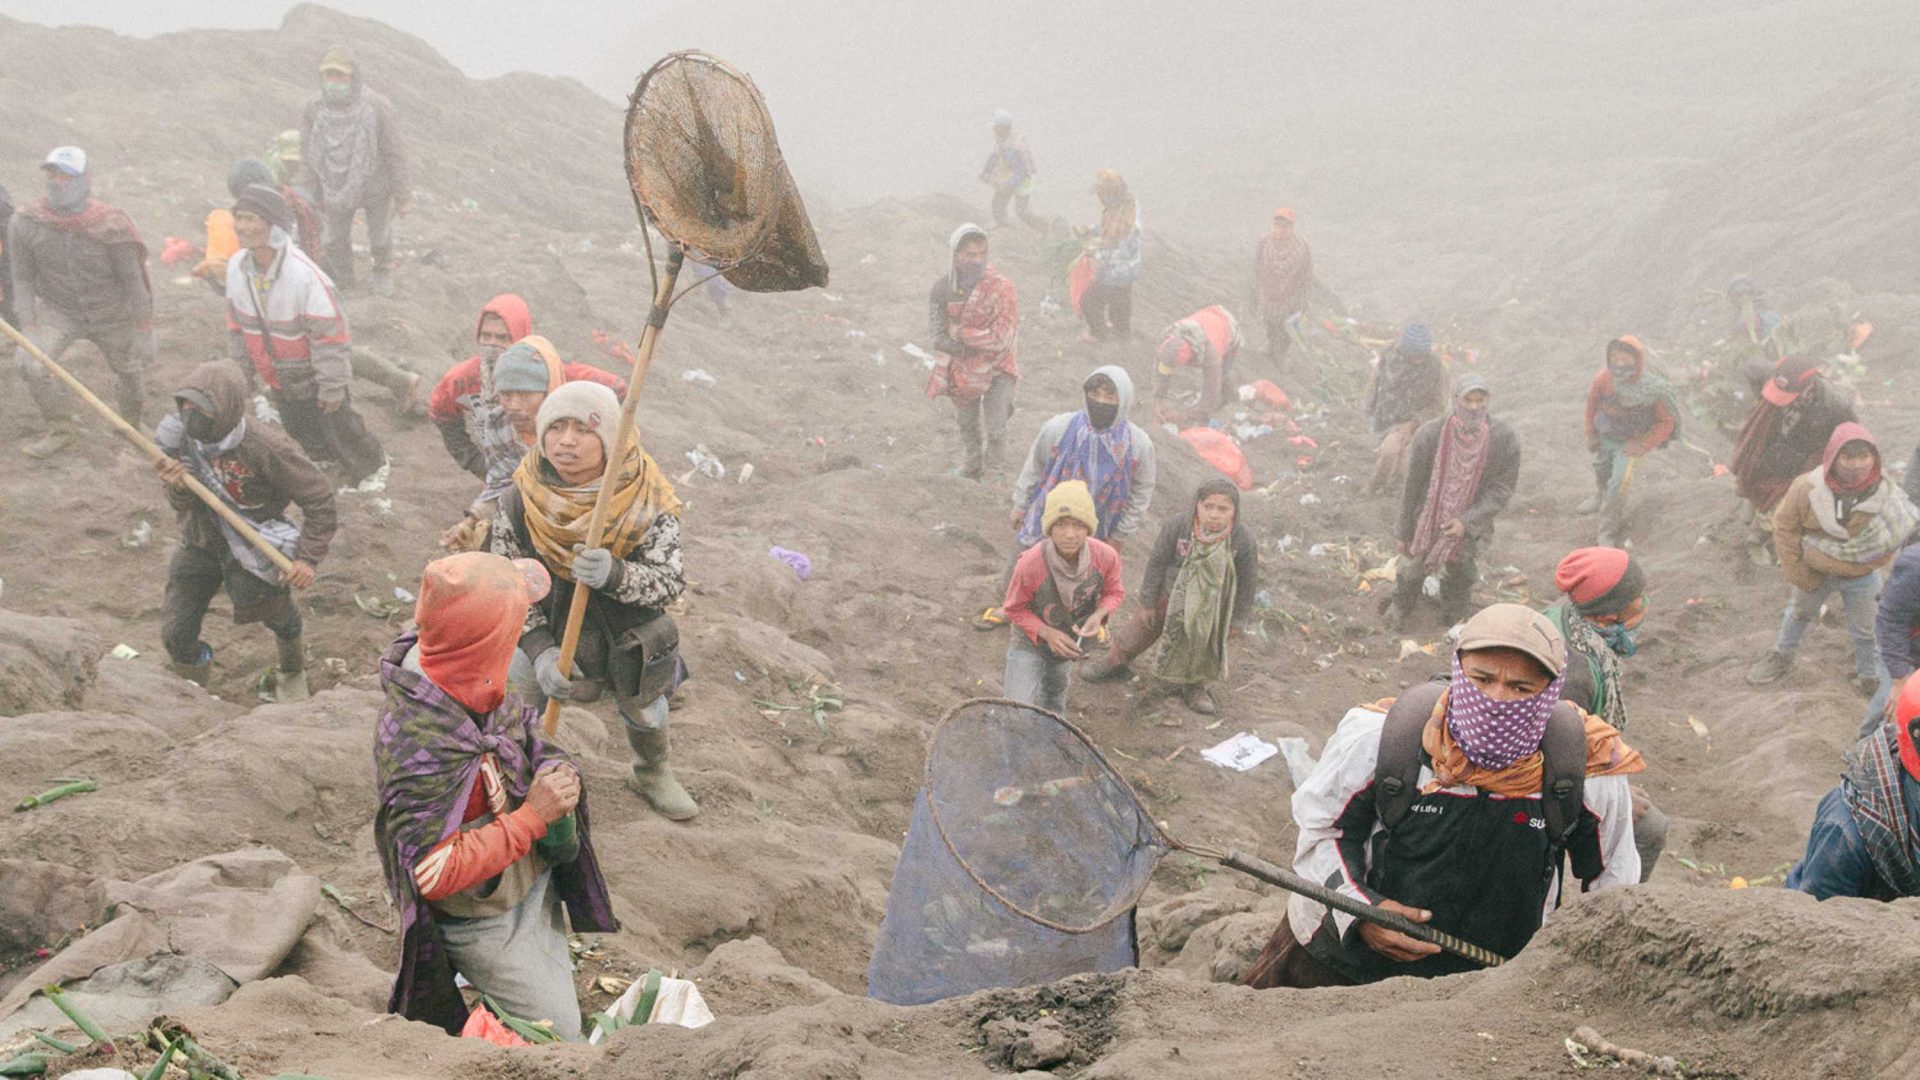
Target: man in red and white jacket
[[285, 323]]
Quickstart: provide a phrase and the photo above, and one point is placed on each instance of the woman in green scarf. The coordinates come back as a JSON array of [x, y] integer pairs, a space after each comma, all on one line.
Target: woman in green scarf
[[1200, 582]]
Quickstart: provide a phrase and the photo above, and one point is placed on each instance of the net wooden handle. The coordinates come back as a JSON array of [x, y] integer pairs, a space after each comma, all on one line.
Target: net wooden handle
[[1359, 909]]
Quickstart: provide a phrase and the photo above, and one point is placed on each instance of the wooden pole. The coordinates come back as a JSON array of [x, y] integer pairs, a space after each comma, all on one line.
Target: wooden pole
[[577, 610], [146, 446]]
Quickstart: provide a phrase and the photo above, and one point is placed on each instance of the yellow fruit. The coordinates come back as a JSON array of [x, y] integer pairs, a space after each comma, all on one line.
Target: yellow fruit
[[1737, 883]]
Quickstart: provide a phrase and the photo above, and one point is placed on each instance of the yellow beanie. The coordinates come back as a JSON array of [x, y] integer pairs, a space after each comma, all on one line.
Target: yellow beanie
[[1069, 499]]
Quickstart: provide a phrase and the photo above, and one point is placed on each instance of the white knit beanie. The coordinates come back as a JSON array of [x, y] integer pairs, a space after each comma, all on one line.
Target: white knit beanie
[[592, 404]]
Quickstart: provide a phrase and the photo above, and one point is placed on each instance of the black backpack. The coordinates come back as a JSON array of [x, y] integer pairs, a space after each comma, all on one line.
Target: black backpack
[[1396, 775]]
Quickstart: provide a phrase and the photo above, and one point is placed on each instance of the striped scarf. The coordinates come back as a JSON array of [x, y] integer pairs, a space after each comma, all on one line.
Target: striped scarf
[[1103, 459], [199, 458]]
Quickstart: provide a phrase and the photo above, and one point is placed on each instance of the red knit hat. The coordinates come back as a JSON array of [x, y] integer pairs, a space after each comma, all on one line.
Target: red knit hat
[[1600, 580], [1906, 717]]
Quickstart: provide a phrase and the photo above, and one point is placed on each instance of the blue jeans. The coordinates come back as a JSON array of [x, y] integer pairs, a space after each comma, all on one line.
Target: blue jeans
[[1035, 676], [1857, 594]]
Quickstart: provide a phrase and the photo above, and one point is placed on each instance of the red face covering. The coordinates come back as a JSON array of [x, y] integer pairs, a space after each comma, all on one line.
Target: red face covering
[[1842, 435], [470, 612]]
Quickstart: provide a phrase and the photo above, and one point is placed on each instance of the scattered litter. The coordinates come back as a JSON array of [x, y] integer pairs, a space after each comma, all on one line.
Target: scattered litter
[[1318, 551], [1248, 432], [704, 462], [1049, 307], [403, 595], [380, 607], [802, 566], [1286, 543], [1699, 728], [1240, 753], [1409, 647], [738, 677], [177, 249], [879, 358], [1300, 763], [746, 472], [1304, 440], [918, 353], [1430, 587], [124, 652], [1266, 393], [654, 998], [63, 787], [264, 411], [830, 296], [699, 375], [1309, 499], [372, 484], [856, 335], [1263, 600]]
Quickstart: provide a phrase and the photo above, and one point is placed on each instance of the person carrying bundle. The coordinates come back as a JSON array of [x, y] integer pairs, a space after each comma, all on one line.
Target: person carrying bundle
[[1209, 340], [1282, 279], [1631, 412], [1454, 806], [973, 317], [258, 471]]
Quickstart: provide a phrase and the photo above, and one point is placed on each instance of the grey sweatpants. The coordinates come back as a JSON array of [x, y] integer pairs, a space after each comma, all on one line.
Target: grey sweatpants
[[129, 351], [983, 428], [520, 959], [337, 231]]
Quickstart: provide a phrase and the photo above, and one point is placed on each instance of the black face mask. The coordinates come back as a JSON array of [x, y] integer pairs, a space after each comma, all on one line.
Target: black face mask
[[1102, 416], [201, 427]]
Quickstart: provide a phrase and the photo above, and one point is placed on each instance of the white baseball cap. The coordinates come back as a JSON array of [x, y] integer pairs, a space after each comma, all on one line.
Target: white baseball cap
[[68, 159]]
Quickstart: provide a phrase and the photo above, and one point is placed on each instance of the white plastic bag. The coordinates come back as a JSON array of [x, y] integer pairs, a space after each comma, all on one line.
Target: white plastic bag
[[676, 1001]]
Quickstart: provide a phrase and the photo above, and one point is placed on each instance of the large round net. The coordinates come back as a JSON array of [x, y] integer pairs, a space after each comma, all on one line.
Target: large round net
[[706, 170], [1022, 865]]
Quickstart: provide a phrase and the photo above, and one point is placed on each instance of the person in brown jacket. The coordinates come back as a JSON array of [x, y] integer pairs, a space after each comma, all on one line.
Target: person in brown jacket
[[257, 470], [1835, 528]]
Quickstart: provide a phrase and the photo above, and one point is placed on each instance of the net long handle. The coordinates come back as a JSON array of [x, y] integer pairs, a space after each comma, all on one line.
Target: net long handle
[[1359, 909], [577, 609], [146, 446]]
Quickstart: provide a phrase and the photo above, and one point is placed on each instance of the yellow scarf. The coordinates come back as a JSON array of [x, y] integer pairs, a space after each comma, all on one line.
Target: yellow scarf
[[557, 516]]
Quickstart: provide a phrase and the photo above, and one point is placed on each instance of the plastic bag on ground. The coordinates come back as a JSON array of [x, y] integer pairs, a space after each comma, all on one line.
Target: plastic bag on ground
[[676, 1001], [482, 1024], [1217, 449]]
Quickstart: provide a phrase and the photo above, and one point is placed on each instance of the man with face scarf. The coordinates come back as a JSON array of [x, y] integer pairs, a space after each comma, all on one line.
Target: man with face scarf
[[973, 318], [1600, 620], [1630, 413], [258, 472], [1461, 470], [1095, 444], [79, 273], [1784, 435], [1471, 855], [350, 136], [1836, 527]]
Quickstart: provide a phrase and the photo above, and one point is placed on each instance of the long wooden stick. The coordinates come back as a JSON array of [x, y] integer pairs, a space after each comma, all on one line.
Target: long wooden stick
[[146, 446], [577, 610]]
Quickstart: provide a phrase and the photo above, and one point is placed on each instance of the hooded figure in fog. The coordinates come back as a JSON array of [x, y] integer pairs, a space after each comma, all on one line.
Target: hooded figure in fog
[[350, 137], [1095, 444], [973, 320]]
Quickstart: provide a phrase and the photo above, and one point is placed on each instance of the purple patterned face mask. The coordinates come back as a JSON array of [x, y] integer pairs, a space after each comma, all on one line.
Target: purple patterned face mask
[[1495, 734]]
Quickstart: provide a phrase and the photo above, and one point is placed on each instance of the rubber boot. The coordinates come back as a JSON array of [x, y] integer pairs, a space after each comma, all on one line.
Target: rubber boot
[[289, 682], [653, 778], [59, 433], [198, 671]]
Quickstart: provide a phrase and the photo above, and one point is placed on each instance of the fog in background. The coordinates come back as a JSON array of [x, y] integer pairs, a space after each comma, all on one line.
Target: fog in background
[[1443, 127]]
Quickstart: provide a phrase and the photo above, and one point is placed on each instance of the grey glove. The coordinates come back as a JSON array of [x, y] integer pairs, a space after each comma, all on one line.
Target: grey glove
[[546, 670], [593, 567]]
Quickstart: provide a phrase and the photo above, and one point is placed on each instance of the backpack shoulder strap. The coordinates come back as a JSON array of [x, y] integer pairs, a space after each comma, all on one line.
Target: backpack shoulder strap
[[1563, 775], [1396, 772]]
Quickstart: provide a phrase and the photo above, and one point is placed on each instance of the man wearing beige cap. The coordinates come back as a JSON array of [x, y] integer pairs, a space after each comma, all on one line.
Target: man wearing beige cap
[[1457, 806]]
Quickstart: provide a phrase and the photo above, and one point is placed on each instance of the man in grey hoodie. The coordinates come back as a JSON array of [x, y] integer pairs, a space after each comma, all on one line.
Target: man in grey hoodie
[[1096, 444]]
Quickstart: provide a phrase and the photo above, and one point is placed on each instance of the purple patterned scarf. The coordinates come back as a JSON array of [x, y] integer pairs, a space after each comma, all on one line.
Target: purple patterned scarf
[[427, 752], [1495, 734]]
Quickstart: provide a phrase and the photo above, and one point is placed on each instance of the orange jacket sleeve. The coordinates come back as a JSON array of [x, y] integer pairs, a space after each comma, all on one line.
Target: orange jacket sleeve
[[471, 856]]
